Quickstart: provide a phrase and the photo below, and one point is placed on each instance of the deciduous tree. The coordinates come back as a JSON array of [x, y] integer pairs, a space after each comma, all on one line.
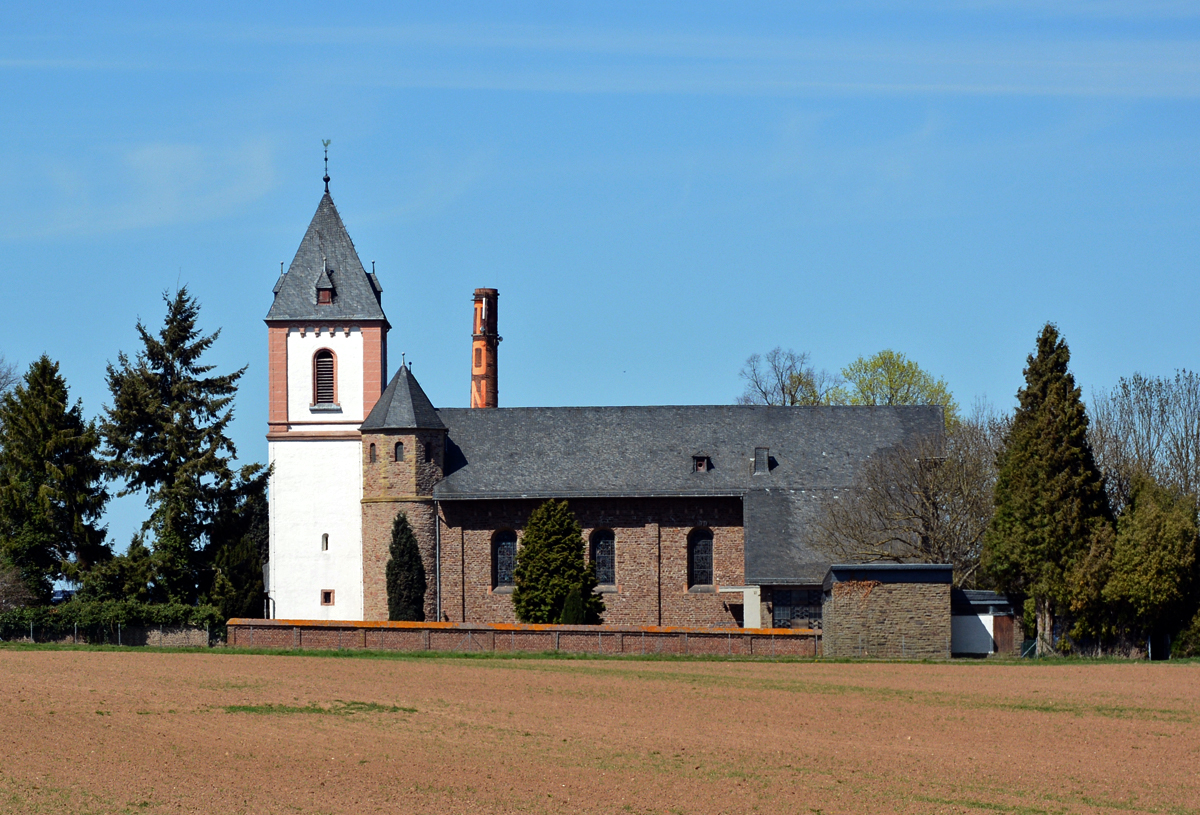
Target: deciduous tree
[[891, 378], [787, 378], [929, 501], [551, 565]]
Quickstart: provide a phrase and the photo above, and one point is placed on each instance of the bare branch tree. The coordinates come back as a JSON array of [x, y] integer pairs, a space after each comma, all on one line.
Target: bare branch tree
[[1148, 425], [13, 591], [787, 378], [927, 502], [8, 374]]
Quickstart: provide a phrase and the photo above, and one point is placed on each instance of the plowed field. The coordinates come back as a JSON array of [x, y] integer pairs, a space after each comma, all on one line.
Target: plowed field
[[92, 731]]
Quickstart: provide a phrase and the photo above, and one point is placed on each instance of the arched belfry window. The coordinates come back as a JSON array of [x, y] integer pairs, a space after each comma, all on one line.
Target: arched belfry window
[[372, 452], [399, 451], [604, 556], [504, 557], [324, 390], [700, 558]]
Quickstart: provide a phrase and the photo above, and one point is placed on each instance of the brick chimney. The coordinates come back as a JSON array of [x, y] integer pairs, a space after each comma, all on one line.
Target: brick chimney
[[484, 341]]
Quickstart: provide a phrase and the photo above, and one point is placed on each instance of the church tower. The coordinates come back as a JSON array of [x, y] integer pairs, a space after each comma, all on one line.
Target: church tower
[[327, 346]]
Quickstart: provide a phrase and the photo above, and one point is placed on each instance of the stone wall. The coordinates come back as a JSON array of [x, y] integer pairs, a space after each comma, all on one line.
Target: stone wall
[[887, 620], [651, 558], [603, 640]]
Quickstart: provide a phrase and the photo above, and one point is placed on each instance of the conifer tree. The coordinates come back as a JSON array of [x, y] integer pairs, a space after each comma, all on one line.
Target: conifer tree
[[1050, 499], [405, 574], [550, 565], [51, 493], [165, 434]]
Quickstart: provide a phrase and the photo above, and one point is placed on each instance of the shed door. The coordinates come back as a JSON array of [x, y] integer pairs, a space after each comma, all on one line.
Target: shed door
[[1002, 633]]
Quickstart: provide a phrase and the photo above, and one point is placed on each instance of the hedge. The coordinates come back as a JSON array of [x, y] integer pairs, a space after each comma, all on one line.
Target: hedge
[[99, 622]]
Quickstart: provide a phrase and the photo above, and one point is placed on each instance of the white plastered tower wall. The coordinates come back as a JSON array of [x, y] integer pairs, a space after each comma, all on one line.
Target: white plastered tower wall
[[327, 337]]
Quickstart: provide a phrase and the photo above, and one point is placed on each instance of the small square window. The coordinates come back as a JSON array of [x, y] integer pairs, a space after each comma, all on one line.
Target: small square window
[[701, 464], [326, 597]]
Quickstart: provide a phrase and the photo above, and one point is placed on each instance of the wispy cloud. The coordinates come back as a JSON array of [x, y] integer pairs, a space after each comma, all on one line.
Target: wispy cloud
[[145, 186]]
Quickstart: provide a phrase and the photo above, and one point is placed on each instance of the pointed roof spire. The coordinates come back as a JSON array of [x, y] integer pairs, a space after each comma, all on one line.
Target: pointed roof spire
[[326, 143], [326, 255], [403, 406]]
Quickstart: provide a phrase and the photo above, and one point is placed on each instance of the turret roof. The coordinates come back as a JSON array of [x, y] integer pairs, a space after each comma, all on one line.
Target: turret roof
[[327, 257], [403, 406]]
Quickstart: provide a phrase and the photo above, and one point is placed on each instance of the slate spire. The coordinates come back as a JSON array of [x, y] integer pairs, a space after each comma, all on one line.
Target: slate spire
[[327, 254], [403, 406]]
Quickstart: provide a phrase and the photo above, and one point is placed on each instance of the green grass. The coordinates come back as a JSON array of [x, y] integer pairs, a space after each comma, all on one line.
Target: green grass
[[338, 708]]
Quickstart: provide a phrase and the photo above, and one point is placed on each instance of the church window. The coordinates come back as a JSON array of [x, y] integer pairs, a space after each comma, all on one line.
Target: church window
[[428, 452], [326, 597], [325, 542], [604, 556], [324, 391], [504, 558], [372, 453], [700, 558], [399, 452]]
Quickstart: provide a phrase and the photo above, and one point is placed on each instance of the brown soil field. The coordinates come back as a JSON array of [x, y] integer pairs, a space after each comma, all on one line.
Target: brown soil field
[[147, 732]]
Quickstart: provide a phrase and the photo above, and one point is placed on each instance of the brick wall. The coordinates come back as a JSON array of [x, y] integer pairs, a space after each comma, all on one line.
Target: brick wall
[[608, 640], [887, 620], [651, 558]]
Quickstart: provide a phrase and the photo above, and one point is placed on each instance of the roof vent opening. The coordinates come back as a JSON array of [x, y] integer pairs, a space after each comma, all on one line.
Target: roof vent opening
[[762, 460]]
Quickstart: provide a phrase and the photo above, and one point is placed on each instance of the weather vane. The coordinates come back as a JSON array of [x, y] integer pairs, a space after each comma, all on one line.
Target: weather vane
[[326, 143]]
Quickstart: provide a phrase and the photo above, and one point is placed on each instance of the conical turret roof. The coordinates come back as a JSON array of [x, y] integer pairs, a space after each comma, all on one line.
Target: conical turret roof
[[327, 258], [403, 406]]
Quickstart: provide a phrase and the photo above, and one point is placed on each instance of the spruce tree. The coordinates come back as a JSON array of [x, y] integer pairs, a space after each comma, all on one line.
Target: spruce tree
[[165, 435], [1050, 498], [51, 493], [550, 565], [405, 574]]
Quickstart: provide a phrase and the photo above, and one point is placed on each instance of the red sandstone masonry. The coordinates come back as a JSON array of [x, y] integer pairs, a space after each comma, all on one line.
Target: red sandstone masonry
[[501, 637]]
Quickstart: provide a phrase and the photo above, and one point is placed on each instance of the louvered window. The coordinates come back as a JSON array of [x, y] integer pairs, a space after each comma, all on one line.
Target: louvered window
[[323, 378]]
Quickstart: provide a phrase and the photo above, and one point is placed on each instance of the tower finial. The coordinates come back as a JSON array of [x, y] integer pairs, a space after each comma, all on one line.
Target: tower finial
[[325, 143]]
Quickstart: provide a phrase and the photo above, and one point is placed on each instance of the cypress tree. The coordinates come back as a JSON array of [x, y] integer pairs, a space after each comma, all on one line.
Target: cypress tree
[[1050, 498], [51, 493], [405, 574], [551, 565], [165, 435]]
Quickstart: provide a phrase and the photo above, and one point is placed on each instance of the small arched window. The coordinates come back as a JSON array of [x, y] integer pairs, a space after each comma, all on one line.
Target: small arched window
[[604, 556], [700, 558], [324, 392], [504, 557], [325, 542], [372, 453], [399, 451]]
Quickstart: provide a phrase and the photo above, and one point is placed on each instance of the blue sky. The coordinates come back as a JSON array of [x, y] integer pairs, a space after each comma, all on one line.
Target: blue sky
[[658, 190]]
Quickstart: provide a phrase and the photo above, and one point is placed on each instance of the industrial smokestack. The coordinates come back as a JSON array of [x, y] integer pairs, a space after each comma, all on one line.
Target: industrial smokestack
[[485, 392]]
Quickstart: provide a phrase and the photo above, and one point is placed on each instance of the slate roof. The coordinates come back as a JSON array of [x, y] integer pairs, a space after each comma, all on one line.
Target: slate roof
[[403, 406], [630, 452], [327, 256]]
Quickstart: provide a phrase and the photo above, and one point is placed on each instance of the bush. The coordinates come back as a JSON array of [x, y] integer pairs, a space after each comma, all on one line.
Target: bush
[[97, 622], [550, 565]]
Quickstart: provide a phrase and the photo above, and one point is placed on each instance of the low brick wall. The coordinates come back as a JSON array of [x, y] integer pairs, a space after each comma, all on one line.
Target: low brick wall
[[887, 620], [510, 637]]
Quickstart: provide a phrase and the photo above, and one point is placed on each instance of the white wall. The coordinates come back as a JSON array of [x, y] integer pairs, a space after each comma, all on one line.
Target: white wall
[[316, 488], [348, 350], [971, 634]]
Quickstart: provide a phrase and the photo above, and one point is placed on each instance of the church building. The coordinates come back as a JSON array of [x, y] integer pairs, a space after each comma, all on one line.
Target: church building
[[693, 515]]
